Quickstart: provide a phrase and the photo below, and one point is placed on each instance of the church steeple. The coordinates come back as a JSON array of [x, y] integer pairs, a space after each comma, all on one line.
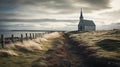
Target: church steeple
[[85, 25], [81, 16]]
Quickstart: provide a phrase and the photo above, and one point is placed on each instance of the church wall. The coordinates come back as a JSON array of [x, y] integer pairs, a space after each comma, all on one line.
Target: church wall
[[89, 28]]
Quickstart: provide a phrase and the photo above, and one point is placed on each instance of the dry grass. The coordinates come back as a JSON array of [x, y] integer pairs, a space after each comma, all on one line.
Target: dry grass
[[23, 54], [31, 45], [53, 50], [6, 53], [104, 43]]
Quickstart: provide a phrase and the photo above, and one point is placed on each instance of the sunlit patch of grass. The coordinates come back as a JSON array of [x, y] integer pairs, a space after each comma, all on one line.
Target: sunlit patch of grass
[[23, 54], [6, 53]]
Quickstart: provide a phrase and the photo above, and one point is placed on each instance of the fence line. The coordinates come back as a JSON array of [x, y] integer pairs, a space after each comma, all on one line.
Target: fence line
[[2, 41], [13, 39]]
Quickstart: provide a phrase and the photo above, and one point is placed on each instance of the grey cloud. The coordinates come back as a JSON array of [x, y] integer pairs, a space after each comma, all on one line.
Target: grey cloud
[[98, 3], [32, 2], [66, 6], [35, 20], [61, 6], [14, 25], [113, 14]]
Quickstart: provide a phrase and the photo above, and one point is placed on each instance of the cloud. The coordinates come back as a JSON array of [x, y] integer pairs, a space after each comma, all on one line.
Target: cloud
[[112, 14], [34, 8], [35, 20], [62, 6], [38, 26], [97, 3], [27, 8]]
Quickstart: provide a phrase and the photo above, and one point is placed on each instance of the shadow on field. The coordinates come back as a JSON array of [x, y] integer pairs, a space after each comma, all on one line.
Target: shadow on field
[[109, 44]]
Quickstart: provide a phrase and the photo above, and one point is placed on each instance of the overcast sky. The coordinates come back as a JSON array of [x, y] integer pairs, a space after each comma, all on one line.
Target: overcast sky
[[58, 14]]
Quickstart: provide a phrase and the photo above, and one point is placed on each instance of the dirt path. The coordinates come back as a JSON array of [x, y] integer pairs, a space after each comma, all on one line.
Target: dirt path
[[61, 54], [73, 53]]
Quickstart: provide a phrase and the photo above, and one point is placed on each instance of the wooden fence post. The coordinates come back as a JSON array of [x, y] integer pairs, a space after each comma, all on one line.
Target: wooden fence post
[[12, 38], [33, 36], [22, 38], [30, 36], [26, 36], [2, 41]]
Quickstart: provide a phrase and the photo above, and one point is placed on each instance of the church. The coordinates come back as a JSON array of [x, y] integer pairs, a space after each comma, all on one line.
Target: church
[[86, 25]]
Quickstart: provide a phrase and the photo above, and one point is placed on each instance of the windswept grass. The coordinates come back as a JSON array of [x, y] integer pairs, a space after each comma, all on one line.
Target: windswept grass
[[23, 54], [75, 49], [101, 44], [54, 55], [6, 53]]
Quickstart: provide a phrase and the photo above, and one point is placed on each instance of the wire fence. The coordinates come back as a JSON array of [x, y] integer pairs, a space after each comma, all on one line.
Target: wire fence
[[28, 36]]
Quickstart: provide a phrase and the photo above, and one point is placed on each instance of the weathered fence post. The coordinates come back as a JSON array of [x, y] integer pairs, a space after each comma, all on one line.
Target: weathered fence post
[[2, 41], [33, 36], [22, 38], [26, 36], [12, 38], [30, 36]]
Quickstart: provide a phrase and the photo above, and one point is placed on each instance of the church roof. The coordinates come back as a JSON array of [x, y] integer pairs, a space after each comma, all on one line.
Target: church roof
[[87, 23]]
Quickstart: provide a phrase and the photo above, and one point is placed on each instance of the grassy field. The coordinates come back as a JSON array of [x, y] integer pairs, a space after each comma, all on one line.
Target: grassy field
[[99, 44], [23, 54], [75, 49]]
